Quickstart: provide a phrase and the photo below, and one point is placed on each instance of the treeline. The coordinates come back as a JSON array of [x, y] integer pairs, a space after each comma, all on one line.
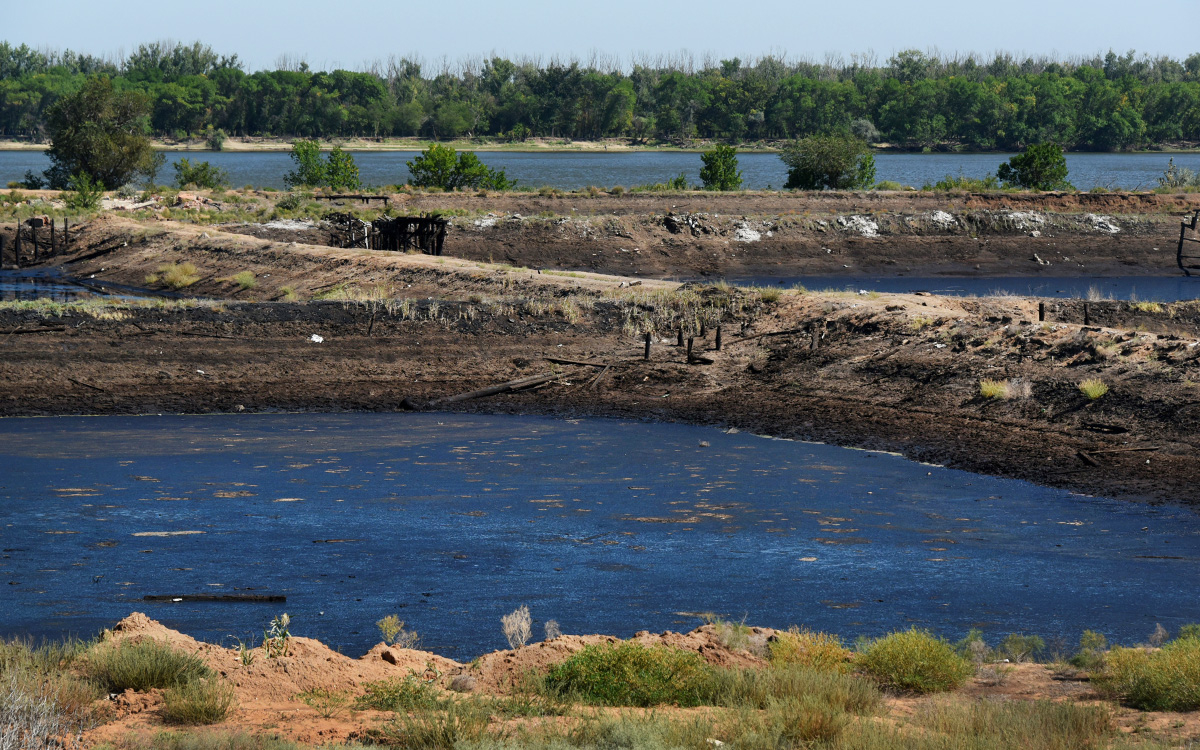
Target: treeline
[[912, 100]]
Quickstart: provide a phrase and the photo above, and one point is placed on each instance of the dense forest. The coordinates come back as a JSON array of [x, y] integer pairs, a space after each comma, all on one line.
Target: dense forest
[[912, 100]]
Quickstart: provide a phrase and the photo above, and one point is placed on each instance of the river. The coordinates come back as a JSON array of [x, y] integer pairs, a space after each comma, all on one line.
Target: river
[[571, 170], [605, 526]]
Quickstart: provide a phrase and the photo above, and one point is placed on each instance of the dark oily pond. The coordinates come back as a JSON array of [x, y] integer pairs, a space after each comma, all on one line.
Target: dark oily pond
[[605, 526], [40, 283]]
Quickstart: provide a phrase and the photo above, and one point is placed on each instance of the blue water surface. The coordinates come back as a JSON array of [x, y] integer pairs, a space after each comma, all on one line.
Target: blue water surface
[[571, 171], [605, 526]]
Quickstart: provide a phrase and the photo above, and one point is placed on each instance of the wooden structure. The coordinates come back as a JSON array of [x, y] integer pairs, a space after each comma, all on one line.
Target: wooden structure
[[354, 197], [401, 233], [35, 240], [1180, 258]]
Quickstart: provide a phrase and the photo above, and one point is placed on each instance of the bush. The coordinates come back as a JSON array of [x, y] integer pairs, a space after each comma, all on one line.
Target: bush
[[327, 703], [962, 183], [1178, 178], [402, 694], [85, 193], [98, 131], [822, 652], [757, 688], [438, 167], [1191, 630], [630, 674], [394, 633], [245, 279], [517, 626], [1092, 646], [201, 174], [175, 275], [720, 170], [459, 725], [1093, 388], [142, 665], [836, 162], [1163, 680], [215, 139], [1039, 167], [994, 388], [914, 661], [1021, 648], [32, 181], [200, 701]]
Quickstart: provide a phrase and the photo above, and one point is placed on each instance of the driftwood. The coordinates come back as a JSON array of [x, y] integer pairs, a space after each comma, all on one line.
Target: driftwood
[[559, 361], [771, 333], [87, 385], [44, 329], [214, 598], [596, 380], [495, 390], [1125, 450], [1087, 458], [207, 335]]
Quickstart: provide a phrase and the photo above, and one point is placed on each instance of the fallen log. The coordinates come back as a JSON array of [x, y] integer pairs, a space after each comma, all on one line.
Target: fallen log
[[1126, 450], [44, 329], [233, 598], [770, 333], [495, 390], [558, 361], [596, 380]]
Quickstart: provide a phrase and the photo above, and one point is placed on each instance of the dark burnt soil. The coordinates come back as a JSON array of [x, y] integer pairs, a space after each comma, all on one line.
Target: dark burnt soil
[[795, 234], [896, 372]]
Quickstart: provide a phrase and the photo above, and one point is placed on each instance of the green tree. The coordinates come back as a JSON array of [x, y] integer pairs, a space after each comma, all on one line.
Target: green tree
[[720, 170], [154, 164], [310, 170], [836, 162], [99, 132], [439, 167], [1042, 166], [201, 174], [341, 173]]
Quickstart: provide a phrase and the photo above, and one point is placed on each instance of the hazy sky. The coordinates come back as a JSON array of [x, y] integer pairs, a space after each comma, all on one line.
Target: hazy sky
[[329, 34]]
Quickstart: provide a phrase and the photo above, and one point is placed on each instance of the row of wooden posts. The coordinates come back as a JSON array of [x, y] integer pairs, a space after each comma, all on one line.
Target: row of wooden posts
[[39, 233], [679, 341]]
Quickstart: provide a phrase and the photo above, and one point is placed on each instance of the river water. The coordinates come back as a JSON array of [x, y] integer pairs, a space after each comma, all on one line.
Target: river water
[[606, 526], [571, 171]]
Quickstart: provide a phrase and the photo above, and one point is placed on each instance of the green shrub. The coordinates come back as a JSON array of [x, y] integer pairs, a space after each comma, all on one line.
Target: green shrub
[[429, 729], [201, 174], [822, 652], [962, 183], [757, 688], [176, 275], [327, 703], [720, 170], [1093, 388], [836, 162], [630, 674], [994, 388], [1191, 630], [399, 694], [84, 194], [1041, 166], [1163, 680], [199, 701], [1092, 646], [914, 661], [1021, 648], [142, 665], [245, 279]]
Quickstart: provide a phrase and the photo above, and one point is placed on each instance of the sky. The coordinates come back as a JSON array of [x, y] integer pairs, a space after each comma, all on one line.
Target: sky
[[351, 35]]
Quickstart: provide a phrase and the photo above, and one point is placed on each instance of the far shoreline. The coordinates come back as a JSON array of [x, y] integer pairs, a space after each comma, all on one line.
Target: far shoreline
[[538, 145]]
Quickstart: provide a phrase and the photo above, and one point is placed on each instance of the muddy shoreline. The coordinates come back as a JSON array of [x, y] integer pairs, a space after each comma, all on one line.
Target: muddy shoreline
[[886, 371]]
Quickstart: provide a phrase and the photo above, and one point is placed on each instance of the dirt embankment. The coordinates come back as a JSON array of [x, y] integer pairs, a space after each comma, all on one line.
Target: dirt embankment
[[784, 234], [898, 372]]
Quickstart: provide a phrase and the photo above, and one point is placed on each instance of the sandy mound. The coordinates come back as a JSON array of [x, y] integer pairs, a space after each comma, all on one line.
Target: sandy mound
[[309, 664], [500, 671]]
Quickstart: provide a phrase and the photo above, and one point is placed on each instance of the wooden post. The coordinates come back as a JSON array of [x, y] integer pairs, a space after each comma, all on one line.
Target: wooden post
[[17, 245], [679, 340], [646, 354], [718, 338], [33, 237], [3, 243], [52, 236], [1041, 312], [66, 232], [1087, 318], [690, 340], [703, 330]]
